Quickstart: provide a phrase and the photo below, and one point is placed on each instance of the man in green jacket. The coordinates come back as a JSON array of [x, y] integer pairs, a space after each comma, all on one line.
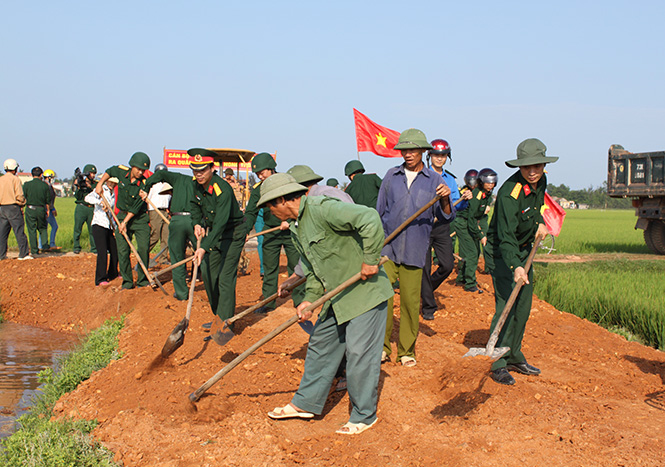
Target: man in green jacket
[[83, 185], [516, 223], [217, 222], [364, 188], [133, 215], [336, 240], [37, 198]]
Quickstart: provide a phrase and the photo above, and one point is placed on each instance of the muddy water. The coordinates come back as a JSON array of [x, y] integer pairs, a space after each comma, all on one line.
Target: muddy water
[[24, 352]]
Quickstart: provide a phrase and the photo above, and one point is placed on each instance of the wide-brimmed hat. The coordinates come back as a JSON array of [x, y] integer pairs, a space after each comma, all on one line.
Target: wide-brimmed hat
[[530, 152], [279, 184], [412, 139], [166, 187], [304, 174], [113, 180], [200, 158]]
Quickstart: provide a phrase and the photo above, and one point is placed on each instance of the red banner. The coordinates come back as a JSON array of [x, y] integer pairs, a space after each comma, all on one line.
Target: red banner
[[553, 215], [179, 159], [375, 138]]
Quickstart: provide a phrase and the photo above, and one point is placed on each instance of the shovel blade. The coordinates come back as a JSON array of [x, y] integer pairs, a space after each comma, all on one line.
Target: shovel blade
[[220, 332], [497, 353], [307, 326], [176, 338]]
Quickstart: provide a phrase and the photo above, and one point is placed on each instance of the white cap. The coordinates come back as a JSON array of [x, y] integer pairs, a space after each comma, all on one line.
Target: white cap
[[11, 164]]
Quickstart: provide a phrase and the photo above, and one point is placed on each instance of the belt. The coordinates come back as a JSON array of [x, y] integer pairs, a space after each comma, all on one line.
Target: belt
[[181, 214], [87, 205], [35, 207], [5, 205]]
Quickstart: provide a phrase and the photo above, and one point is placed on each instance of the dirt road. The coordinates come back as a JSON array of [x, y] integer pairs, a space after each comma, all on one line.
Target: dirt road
[[600, 400]]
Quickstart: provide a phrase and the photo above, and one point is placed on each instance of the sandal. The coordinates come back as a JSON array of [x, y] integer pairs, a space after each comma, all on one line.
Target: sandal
[[341, 384], [408, 361], [288, 411], [384, 357], [355, 428]]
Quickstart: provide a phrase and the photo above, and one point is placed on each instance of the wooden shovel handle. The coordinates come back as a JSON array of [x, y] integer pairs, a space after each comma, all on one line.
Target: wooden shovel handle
[[265, 301], [256, 234], [190, 299], [173, 266], [168, 222]]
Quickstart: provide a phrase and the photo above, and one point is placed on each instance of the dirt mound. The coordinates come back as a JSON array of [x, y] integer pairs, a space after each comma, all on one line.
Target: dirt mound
[[599, 401]]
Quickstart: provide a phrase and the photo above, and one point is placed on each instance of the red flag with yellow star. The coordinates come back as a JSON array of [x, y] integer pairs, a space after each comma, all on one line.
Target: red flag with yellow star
[[553, 215], [375, 138]]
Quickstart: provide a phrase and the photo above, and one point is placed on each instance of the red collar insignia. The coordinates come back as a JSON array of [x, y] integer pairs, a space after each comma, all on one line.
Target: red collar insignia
[[527, 190], [210, 189]]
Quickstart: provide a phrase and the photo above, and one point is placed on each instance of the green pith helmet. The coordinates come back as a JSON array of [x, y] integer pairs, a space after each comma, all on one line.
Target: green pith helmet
[[278, 185], [530, 152], [353, 167], [89, 169], [332, 182], [263, 161], [140, 160], [412, 139], [304, 174]]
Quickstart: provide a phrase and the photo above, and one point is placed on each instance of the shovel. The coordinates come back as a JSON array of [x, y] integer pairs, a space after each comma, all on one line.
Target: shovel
[[221, 332], [498, 352], [173, 266], [196, 395], [177, 336], [256, 234]]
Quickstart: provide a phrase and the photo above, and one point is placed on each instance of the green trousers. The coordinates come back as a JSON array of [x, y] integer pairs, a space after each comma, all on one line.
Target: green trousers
[[82, 215], [138, 227], [220, 273], [513, 329], [272, 247], [181, 232], [469, 249], [410, 279], [35, 220]]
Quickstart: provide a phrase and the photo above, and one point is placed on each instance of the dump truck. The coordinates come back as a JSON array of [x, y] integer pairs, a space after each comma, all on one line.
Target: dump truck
[[641, 176]]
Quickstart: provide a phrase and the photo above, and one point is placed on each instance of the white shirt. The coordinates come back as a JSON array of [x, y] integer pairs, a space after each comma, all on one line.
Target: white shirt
[[161, 201], [99, 216]]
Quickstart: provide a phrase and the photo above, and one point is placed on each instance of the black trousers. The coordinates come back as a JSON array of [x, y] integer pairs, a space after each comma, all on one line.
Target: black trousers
[[442, 244], [11, 218], [105, 243]]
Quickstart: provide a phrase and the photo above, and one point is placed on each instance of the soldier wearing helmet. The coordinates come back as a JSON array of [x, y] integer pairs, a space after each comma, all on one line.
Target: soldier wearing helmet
[[472, 229], [49, 176], [132, 214], [159, 230], [263, 165], [83, 212], [515, 225], [440, 240], [12, 201], [404, 190], [364, 188]]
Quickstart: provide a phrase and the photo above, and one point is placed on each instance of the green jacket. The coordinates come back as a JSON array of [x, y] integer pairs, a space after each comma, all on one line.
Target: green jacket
[[364, 189], [80, 192], [517, 213], [128, 199], [334, 239], [37, 193], [183, 188], [478, 203], [252, 210], [215, 207]]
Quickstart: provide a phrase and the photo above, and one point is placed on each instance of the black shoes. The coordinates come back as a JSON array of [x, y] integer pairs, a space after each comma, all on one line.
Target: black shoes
[[474, 289], [207, 325], [428, 315], [523, 368], [502, 376]]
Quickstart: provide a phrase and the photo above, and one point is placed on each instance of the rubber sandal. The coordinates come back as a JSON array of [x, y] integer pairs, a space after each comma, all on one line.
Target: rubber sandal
[[384, 357], [408, 361], [288, 411], [355, 428]]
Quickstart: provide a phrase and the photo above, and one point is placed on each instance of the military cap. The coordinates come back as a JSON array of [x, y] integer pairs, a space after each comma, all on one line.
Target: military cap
[[412, 139], [263, 161], [304, 174], [530, 152], [332, 182], [352, 167], [279, 185], [140, 160], [228, 171], [91, 169], [200, 158]]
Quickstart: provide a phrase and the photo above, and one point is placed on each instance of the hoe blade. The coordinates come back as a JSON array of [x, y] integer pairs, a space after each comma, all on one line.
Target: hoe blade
[[497, 353], [176, 338], [220, 332]]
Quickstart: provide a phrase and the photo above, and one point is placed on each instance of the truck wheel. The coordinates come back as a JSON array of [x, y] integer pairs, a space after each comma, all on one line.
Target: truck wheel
[[654, 237]]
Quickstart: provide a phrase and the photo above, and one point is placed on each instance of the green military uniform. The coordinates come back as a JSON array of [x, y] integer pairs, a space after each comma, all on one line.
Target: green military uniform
[[214, 207], [458, 222], [181, 229], [37, 197], [272, 247], [512, 230], [128, 201], [470, 232], [364, 189], [83, 215]]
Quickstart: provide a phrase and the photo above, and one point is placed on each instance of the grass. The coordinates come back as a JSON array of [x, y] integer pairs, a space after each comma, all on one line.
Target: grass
[[627, 297], [43, 441]]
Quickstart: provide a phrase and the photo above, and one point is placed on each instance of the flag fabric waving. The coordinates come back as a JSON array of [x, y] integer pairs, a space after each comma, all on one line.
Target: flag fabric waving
[[553, 215], [375, 138]]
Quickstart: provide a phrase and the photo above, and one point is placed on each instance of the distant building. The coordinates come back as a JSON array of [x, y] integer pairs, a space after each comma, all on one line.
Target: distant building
[[564, 203]]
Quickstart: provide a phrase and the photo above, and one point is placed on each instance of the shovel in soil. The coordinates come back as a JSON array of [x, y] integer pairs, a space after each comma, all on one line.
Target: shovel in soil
[[177, 336], [497, 352]]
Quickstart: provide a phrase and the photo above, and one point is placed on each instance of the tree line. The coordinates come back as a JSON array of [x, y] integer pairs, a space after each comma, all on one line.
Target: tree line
[[596, 198]]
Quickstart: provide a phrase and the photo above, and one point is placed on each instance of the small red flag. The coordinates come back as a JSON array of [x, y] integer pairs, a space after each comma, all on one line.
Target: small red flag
[[553, 215], [375, 138]]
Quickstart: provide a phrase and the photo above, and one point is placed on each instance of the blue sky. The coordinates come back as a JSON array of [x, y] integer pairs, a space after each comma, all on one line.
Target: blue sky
[[93, 82]]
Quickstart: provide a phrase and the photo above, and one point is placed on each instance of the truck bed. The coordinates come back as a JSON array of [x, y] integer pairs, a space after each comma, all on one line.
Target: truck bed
[[635, 174]]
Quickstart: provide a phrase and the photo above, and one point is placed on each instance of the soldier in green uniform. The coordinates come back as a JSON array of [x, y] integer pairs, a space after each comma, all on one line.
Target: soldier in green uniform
[[37, 198], [83, 211], [181, 229], [218, 222], [133, 215], [516, 222], [364, 188], [263, 165], [472, 229]]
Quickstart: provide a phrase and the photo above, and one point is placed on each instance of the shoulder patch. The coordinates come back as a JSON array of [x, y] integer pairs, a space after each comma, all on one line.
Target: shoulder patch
[[256, 184], [218, 190], [123, 167], [516, 191], [480, 195]]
